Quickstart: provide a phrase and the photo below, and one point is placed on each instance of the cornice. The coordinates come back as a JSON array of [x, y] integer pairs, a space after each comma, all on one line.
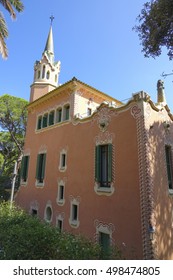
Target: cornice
[[70, 87]]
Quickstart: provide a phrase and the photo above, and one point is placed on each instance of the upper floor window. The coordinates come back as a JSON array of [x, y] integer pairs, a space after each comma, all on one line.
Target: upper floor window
[[66, 112], [169, 165], [59, 115], [45, 120], [39, 122], [51, 117], [40, 168], [103, 165]]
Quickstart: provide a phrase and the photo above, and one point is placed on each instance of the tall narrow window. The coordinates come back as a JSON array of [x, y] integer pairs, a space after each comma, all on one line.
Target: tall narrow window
[[103, 165], [59, 224], [47, 75], [40, 170], [104, 241], [89, 111], [39, 122], [24, 168], [66, 112], [51, 117], [74, 213], [169, 166], [45, 120], [43, 71], [38, 74], [59, 115]]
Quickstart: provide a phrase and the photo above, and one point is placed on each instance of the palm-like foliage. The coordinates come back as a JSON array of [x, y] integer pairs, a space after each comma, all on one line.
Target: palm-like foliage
[[10, 6]]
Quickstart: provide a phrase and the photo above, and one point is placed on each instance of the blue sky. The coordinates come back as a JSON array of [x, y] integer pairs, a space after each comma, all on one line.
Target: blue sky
[[94, 41]]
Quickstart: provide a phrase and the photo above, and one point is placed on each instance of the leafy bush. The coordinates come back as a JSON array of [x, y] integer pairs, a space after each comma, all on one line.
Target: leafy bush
[[23, 237]]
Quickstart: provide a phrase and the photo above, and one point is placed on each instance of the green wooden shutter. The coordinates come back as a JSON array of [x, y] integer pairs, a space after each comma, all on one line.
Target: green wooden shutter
[[97, 163], [26, 167], [22, 167], [109, 162], [37, 166], [43, 166]]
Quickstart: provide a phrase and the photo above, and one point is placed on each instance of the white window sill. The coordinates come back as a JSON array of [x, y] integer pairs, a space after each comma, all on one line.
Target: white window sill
[[60, 202], [74, 223], [23, 183], [104, 190], [170, 191], [37, 184]]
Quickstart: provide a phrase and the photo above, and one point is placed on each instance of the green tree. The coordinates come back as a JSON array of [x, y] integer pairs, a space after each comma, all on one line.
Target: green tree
[[9, 5], [155, 28], [13, 117]]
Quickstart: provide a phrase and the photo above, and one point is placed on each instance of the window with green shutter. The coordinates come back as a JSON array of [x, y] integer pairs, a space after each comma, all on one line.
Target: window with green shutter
[[39, 122], [45, 120], [103, 165], [104, 241], [24, 168], [59, 115], [168, 153], [40, 170], [66, 112], [51, 117]]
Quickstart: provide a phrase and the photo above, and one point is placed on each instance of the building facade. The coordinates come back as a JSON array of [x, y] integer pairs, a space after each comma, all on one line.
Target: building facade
[[95, 166]]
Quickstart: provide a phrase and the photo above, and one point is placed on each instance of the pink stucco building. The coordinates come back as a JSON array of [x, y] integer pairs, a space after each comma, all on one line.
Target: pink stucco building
[[95, 166]]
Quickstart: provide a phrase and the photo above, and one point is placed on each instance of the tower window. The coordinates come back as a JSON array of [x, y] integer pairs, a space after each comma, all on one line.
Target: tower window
[[38, 74], [43, 72], [47, 75]]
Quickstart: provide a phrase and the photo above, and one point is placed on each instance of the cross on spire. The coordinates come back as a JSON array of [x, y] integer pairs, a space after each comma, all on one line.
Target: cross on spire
[[51, 19]]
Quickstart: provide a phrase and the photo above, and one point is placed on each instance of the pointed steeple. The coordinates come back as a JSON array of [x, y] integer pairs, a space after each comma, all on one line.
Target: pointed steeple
[[46, 71], [49, 48]]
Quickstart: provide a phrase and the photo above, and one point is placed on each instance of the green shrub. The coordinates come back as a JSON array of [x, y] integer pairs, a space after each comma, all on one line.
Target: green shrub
[[23, 237]]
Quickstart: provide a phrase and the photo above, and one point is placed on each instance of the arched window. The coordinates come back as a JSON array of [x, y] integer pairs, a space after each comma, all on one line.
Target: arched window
[[56, 78], [66, 112], [38, 74], [44, 70], [47, 75]]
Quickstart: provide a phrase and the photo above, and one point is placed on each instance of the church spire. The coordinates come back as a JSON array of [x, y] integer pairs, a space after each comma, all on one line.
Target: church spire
[[46, 70], [49, 47]]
